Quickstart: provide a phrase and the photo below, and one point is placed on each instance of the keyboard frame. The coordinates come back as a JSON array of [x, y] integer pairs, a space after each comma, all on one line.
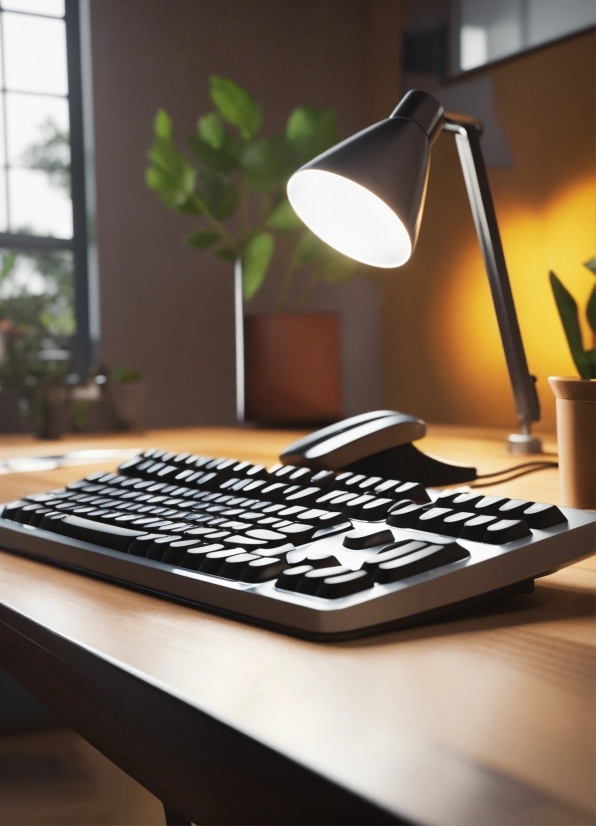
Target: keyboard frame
[[490, 570]]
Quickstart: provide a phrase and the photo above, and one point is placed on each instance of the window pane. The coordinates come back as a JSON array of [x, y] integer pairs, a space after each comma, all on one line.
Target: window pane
[[3, 221], [54, 8], [36, 324], [35, 54], [37, 205], [37, 128]]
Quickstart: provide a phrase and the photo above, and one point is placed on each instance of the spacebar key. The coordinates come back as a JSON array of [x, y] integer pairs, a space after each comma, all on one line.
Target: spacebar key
[[98, 533]]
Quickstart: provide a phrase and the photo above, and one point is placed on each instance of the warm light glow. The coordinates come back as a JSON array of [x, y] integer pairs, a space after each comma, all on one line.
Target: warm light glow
[[349, 218]]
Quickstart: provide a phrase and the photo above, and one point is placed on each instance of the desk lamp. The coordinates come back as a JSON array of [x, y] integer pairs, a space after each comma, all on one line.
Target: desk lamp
[[365, 197]]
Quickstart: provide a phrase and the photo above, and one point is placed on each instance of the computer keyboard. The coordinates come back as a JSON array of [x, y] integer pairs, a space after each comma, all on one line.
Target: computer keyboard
[[320, 554]]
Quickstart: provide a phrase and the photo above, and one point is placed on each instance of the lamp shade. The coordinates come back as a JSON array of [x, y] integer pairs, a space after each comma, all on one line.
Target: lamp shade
[[365, 196]]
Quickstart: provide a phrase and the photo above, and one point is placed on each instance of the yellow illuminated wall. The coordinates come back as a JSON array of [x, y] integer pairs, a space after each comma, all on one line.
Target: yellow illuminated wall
[[443, 358]]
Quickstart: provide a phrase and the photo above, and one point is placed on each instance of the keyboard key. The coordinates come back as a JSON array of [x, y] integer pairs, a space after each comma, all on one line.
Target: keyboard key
[[543, 516], [411, 490], [194, 556], [13, 509], [321, 559], [175, 550], [233, 566], [506, 530], [140, 545], [321, 518], [48, 523], [353, 507], [158, 547], [375, 510], [212, 562], [297, 534], [426, 559], [98, 533], [431, 519], [335, 500], [304, 496], [459, 501], [513, 508], [272, 539], [490, 505], [292, 512], [386, 487], [405, 516], [367, 538], [263, 570], [37, 517], [273, 492], [310, 581], [393, 551], [453, 523], [335, 587], [289, 579], [323, 478], [474, 528]]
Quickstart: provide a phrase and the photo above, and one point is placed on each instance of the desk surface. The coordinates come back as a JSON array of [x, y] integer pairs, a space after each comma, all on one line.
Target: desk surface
[[485, 718]]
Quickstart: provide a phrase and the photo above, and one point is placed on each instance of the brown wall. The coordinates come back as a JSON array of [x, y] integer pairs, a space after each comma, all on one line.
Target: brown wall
[[442, 356], [166, 308]]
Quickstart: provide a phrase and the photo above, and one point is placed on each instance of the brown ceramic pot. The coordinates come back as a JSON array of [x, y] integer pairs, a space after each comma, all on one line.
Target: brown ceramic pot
[[292, 368], [576, 437]]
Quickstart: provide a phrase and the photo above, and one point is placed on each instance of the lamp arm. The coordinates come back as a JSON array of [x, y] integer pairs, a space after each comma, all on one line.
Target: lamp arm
[[467, 133]]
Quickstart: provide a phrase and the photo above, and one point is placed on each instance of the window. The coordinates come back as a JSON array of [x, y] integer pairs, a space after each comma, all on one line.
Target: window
[[44, 255], [486, 31]]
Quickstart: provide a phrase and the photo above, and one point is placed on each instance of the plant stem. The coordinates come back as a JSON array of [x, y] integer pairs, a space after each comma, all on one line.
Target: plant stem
[[242, 205], [215, 224], [312, 283], [286, 284]]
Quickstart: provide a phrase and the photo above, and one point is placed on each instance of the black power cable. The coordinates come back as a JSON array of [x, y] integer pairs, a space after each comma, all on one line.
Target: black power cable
[[498, 477]]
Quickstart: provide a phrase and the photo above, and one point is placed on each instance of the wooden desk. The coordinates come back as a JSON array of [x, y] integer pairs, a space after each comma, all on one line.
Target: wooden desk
[[487, 718]]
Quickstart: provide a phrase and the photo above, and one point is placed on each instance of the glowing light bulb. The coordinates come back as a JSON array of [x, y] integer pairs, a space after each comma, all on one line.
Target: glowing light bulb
[[350, 218]]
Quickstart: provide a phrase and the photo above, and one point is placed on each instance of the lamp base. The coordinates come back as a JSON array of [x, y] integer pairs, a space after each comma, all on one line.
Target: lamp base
[[523, 444]]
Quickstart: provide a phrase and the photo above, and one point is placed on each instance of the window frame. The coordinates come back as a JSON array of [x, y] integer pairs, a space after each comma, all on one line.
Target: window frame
[[83, 244]]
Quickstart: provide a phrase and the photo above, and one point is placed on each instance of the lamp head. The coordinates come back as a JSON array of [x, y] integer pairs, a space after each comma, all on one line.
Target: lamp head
[[365, 196]]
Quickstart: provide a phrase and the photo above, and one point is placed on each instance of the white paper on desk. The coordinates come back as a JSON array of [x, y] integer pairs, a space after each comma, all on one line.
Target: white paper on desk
[[74, 457]]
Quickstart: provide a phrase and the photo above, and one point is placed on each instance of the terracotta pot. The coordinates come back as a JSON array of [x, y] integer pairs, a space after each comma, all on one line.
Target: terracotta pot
[[292, 368], [127, 401], [576, 437]]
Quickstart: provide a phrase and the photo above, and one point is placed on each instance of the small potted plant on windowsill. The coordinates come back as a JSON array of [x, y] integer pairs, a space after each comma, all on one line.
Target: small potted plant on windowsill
[[235, 186], [127, 390], [576, 402]]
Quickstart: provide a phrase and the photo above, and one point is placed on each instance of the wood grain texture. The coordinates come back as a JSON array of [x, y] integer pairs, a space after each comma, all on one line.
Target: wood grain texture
[[485, 718]]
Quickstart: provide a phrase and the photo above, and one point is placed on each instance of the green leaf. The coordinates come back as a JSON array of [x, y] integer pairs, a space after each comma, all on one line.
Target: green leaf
[[591, 264], [567, 307], [308, 248], [311, 132], [170, 174], [219, 193], [212, 130], [201, 238], [267, 163], [162, 124], [342, 269], [220, 160], [283, 218], [227, 253], [257, 258], [236, 105], [591, 310]]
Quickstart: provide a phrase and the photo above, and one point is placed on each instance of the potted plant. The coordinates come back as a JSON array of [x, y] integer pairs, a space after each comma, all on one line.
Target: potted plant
[[35, 336], [576, 402], [233, 183], [127, 389]]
